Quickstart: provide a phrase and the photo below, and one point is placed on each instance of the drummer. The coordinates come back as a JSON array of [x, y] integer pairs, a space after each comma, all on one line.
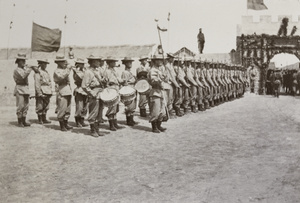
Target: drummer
[[142, 72], [92, 84], [157, 102], [129, 80], [101, 68], [113, 81]]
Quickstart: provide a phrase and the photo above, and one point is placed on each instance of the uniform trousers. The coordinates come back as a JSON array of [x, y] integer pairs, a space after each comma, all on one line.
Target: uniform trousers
[[143, 101], [42, 104], [178, 97], [193, 95], [186, 97], [130, 107], [63, 107], [200, 99], [81, 102], [157, 109], [94, 106], [22, 103]]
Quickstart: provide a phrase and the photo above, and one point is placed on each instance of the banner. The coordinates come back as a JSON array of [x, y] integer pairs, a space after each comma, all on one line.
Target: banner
[[256, 5], [45, 39]]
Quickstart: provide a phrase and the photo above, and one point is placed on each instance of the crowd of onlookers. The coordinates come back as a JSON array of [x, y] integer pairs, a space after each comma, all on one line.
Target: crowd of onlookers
[[289, 82]]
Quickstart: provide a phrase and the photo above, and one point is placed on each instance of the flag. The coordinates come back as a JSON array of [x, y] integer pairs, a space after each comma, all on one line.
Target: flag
[[256, 5], [161, 29], [45, 39]]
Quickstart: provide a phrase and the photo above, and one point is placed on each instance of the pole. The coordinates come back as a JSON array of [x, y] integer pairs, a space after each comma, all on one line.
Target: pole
[[10, 27]]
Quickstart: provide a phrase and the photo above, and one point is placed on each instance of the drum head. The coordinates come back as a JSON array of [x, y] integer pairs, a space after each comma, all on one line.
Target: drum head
[[108, 94], [142, 86]]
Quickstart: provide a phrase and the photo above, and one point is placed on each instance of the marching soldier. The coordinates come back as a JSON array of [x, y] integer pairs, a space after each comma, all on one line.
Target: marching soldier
[[141, 73], [157, 101], [81, 99], [61, 78], [128, 79], [92, 84], [113, 81], [21, 91], [43, 91]]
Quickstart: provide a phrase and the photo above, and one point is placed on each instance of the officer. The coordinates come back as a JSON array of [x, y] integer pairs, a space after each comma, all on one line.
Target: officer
[[21, 91], [113, 81], [128, 79], [157, 101], [43, 91], [61, 78], [81, 99], [92, 84], [141, 73]]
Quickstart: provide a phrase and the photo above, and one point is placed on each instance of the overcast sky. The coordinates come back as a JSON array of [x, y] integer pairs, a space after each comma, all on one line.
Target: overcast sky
[[118, 22]]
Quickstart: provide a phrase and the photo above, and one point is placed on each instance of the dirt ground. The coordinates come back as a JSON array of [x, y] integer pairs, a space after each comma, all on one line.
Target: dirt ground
[[247, 150]]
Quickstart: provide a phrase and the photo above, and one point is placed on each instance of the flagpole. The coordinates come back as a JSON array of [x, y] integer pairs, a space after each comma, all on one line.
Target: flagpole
[[10, 27], [33, 12]]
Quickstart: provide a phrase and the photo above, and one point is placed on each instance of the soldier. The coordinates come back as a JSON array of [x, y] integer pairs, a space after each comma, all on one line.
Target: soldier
[[205, 89], [81, 99], [43, 91], [201, 41], [93, 84], [277, 82], [128, 79], [182, 84], [174, 84], [102, 68], [71, 53], [21, 91], [253, 74], [208, 77], [141, 73], [157, 101], [190, 74], [200, 87], [113, 81], [216, 84], [61, 78]]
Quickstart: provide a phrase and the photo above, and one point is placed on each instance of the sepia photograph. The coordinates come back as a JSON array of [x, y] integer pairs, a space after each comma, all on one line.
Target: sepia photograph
[[133, 101]]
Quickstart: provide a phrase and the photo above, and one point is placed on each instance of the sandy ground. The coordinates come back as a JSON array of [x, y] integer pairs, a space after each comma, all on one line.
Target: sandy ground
[[247, 150]]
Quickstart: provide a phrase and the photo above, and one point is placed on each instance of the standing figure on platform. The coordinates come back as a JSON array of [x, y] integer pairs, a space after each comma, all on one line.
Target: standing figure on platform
[[21, 91], [141, 73], [81, 99], [128, 79], [157, 101], [71, 53], [201, 41], [92, 84], [43, 91], [61, 78]]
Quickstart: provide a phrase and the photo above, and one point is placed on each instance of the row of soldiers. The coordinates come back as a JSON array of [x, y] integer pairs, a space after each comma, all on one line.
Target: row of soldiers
[[175, 84]]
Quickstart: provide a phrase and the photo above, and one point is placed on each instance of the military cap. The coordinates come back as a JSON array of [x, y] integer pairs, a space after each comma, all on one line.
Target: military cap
[[110, 58], [127, 59], [158, 56], [79, 60], [143, 58], [21, 56], [60, 58], [43, 61], [93, 57]]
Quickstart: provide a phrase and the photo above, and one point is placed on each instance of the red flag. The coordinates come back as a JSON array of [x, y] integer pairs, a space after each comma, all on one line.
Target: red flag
[[45, 39], [256, 5]]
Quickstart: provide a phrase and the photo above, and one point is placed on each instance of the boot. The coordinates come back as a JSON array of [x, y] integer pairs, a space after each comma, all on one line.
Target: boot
[[178, 113], [24, 122], [194, 110], [128, 121], [159, 127], [201, 107], [111, 125], [44, 119], [81, 120], [116, 124], [96, 127], [40, 119], [93, 131], [143, 113], [206, 105], [77, 120], [62, 126], [131, 118], [67, 125], [154, 127], [185, 111], [20, 122], [212, 103]]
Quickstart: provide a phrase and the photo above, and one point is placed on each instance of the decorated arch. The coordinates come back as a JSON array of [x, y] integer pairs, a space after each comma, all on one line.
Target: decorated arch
[[258, 50]]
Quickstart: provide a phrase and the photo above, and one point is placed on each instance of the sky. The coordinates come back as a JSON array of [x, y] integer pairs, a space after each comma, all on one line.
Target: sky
[[119, 22]]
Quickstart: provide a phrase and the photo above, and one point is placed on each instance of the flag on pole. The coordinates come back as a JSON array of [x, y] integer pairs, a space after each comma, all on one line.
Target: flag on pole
[[256, 5], [162, 29], [45, 39]]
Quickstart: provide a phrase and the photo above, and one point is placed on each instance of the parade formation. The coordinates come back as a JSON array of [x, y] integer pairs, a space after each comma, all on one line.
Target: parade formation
[[169, 86]]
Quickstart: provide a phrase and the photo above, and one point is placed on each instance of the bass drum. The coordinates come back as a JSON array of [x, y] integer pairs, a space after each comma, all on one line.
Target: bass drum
[[142, 86], [127, 93], [109, 96]]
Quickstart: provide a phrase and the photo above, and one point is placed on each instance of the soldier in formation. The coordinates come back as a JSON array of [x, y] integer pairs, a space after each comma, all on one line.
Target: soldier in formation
[[176, 87]]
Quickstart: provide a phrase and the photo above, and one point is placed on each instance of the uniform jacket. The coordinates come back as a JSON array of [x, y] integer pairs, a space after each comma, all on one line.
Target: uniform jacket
[[21, 78], [181, 75], [42, 83], [156, 78], [112, 78], [78, 76], [128, 77], [172, 74], [197, 77], [141, 68], [190, 74], [61, 78], [92, 82]]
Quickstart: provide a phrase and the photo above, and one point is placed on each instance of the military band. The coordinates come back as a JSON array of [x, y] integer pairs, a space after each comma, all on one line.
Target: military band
[[176, 86]]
